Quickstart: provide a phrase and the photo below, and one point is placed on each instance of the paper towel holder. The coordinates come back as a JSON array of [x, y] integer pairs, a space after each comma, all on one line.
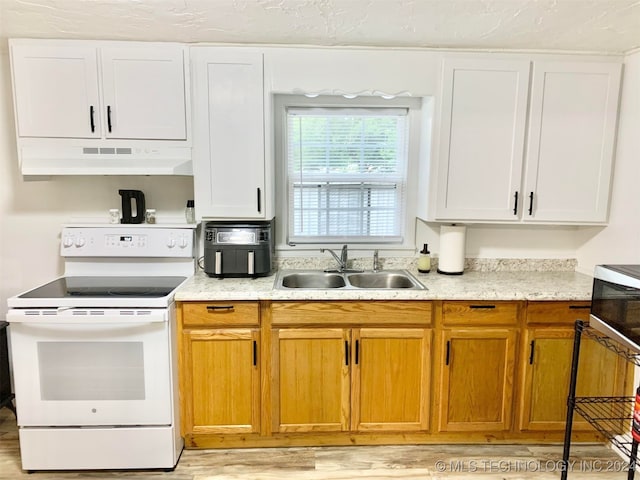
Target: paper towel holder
[[452, 249]]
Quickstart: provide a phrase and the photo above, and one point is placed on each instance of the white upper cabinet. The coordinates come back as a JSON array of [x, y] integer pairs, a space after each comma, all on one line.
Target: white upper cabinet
[[484, 108], [83, 89], [56, 91], [486, 174], [572, 126], [228, 133], [144, 94]]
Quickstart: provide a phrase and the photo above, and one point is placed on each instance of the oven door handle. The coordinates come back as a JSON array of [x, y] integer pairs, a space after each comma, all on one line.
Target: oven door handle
[[68, 317]]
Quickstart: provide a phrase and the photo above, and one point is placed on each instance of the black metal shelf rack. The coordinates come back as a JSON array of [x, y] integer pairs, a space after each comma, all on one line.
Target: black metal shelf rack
[[610, 416]]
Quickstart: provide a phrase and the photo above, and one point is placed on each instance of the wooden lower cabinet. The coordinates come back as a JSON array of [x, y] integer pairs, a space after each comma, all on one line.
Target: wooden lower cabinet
[[350, 367], [361, 379], [219, 368], [391, 379], [546, 360], [311, 386], [477, 378], [373, 372]]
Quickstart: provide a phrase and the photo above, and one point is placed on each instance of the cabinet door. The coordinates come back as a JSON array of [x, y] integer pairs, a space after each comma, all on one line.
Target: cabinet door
[[56, 91], [221, 388], [390, 389], [574, 108], [484, 108], [228, 129], [311, 380], [548, 371], [144, 92], [476, 388]]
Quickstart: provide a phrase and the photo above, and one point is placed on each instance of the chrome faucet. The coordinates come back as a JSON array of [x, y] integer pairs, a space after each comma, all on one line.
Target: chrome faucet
[[342, 259], [376, 261]]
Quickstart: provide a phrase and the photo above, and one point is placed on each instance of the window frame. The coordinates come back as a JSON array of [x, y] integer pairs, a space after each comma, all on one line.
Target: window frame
[[281, 103]]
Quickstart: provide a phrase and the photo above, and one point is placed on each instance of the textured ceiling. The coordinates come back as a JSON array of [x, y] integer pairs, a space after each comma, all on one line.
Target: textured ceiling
[[607, 26]]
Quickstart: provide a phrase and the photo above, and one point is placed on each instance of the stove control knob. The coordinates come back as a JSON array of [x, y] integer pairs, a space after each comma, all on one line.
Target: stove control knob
[[80, 242], [183, 242], [171, 242], [67, 241]]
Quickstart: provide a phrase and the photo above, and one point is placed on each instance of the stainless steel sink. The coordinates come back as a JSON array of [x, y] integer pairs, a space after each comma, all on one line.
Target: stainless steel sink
[[382, 280], [314, 279]]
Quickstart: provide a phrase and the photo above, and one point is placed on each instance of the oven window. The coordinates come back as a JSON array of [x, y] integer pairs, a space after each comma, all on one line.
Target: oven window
[[91, 370], [618, 306]]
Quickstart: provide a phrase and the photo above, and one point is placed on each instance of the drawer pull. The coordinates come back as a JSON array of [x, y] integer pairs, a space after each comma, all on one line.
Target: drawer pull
[[531, 353], [218, 308], [448, 357], [482, 307], [580, 307], [91, 120], [255, 353], [346, 353]]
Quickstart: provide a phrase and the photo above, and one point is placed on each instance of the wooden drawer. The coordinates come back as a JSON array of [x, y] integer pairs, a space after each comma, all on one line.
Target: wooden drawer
[[557, 312], [220, 313], [480, 313], [351, 313]]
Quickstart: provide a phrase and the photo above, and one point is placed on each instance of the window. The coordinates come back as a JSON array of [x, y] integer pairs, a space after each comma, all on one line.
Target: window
[[345, 170]]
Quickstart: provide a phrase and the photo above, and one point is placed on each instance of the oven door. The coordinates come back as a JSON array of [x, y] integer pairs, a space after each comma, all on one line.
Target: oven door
[[97, 368], [615, 310]]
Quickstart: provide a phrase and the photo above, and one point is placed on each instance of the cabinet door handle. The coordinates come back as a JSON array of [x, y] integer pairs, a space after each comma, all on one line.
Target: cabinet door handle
[[448, 356], [346, 353], [532, 345], [218, 308], [531, 203], [515, 204], [482, 307], [357, 352], [259, 200], [255, 353], [109, 117], [91, 120]]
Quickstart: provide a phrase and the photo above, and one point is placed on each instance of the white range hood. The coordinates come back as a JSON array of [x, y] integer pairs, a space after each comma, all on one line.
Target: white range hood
[[135, 159]]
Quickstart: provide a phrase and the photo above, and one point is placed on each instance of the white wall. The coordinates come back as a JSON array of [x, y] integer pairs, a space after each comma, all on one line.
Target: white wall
[[31, 213], [619, 242]]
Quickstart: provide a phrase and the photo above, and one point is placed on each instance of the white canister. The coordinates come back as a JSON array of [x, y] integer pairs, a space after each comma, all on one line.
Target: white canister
[[452, 249]]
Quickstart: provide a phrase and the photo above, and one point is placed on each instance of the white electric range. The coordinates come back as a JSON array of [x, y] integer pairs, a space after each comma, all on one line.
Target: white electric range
[[94, 351]]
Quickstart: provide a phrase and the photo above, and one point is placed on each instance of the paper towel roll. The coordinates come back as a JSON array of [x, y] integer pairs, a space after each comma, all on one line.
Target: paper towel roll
[[452, 245]]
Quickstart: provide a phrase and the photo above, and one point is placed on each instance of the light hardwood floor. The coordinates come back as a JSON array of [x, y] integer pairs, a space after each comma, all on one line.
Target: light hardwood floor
[[508, 462]]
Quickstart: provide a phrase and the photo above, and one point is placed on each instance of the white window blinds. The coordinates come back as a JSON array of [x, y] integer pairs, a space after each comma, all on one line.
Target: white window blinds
[[346, 174]]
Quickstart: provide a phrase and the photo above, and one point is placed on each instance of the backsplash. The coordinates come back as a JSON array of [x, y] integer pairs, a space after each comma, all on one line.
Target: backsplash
[[411, 263]]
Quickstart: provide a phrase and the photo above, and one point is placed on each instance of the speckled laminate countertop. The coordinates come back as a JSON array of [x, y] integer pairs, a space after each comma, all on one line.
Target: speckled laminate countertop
[[474, 285]]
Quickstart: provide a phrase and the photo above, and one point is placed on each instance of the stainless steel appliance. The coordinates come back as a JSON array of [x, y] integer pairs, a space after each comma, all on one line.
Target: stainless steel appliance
[[238, 249], [615, 307], [94, 351]]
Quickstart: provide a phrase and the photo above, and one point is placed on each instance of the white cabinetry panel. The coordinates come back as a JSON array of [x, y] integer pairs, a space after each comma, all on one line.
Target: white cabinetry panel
[[484, 174], [228, 155], [56, 91], [84, 89], [574, 109], [484, 106], [144, 93]]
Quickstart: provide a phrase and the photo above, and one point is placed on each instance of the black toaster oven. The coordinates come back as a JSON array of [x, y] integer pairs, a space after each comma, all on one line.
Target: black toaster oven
[[238, 249]]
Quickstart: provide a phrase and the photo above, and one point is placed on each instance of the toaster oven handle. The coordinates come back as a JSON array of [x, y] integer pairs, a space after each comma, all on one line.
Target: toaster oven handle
[[251, 262], [217, 269]]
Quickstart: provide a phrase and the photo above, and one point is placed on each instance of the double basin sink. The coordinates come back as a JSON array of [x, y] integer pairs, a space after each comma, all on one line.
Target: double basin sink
[[316, 279]]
